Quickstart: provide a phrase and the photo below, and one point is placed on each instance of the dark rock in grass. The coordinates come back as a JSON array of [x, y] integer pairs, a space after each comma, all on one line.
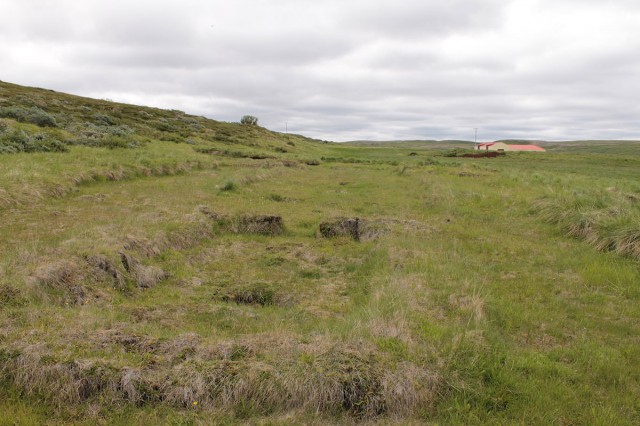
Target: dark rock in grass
[[144, 276], [342, 227]]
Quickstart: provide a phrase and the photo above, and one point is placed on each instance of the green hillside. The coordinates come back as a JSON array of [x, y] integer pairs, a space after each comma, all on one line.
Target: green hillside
[[162, 268]]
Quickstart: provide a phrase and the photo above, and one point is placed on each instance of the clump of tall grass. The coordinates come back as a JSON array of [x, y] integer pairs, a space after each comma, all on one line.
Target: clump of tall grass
[[609, 219], [319, 379], [228, 186]]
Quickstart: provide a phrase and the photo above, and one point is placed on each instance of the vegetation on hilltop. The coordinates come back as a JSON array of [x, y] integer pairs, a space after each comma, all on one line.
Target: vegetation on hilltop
[[222, 271]]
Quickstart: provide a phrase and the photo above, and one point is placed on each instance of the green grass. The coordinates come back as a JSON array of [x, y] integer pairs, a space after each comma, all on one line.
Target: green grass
[[468, 302]]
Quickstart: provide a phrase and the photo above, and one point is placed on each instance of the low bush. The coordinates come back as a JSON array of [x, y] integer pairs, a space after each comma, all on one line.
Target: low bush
[[32, 115], [16, 141], [107, 136], [228, 186], [111, 142], [104, 120]]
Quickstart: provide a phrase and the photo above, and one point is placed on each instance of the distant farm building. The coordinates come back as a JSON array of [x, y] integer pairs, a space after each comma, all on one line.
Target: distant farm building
[[501, 146]]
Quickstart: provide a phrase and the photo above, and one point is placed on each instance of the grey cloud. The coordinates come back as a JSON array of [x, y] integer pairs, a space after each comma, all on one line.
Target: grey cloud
[[410, 19], [344, 70]]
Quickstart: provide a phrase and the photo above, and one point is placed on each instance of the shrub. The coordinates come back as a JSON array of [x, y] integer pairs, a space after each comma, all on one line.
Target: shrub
[[250, 120], [228, 186], [94, 135], [104, 119], [33, 115], [164, 126], [18, 141], [109, 141]]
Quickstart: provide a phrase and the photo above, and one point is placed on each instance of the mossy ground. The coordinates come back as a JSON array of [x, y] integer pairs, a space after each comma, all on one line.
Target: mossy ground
[[464, 307]]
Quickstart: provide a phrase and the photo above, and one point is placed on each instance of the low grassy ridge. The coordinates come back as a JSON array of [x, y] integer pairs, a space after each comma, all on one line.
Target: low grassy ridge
[[228, 279]]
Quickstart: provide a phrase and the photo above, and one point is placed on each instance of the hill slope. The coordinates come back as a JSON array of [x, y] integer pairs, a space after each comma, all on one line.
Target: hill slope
[[192, 270]]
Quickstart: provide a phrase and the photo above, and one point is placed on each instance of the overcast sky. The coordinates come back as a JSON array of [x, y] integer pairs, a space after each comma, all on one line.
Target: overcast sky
[[346, 69]]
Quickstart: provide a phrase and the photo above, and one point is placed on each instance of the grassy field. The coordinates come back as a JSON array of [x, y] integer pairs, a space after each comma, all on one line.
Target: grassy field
[[182, 274]]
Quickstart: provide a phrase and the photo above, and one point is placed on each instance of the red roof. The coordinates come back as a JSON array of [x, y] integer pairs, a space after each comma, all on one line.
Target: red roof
[[515, 147], [526, 147]]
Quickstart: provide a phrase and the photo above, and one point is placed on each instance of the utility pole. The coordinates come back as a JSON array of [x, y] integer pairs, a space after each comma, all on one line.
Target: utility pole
[[475, 139], [286, 127]]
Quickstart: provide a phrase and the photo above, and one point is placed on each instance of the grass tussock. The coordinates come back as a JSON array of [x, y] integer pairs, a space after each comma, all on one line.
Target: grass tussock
[[256, 294], [106, 270], [145, 276], [61, 279], [609, 220], [315, 378]]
